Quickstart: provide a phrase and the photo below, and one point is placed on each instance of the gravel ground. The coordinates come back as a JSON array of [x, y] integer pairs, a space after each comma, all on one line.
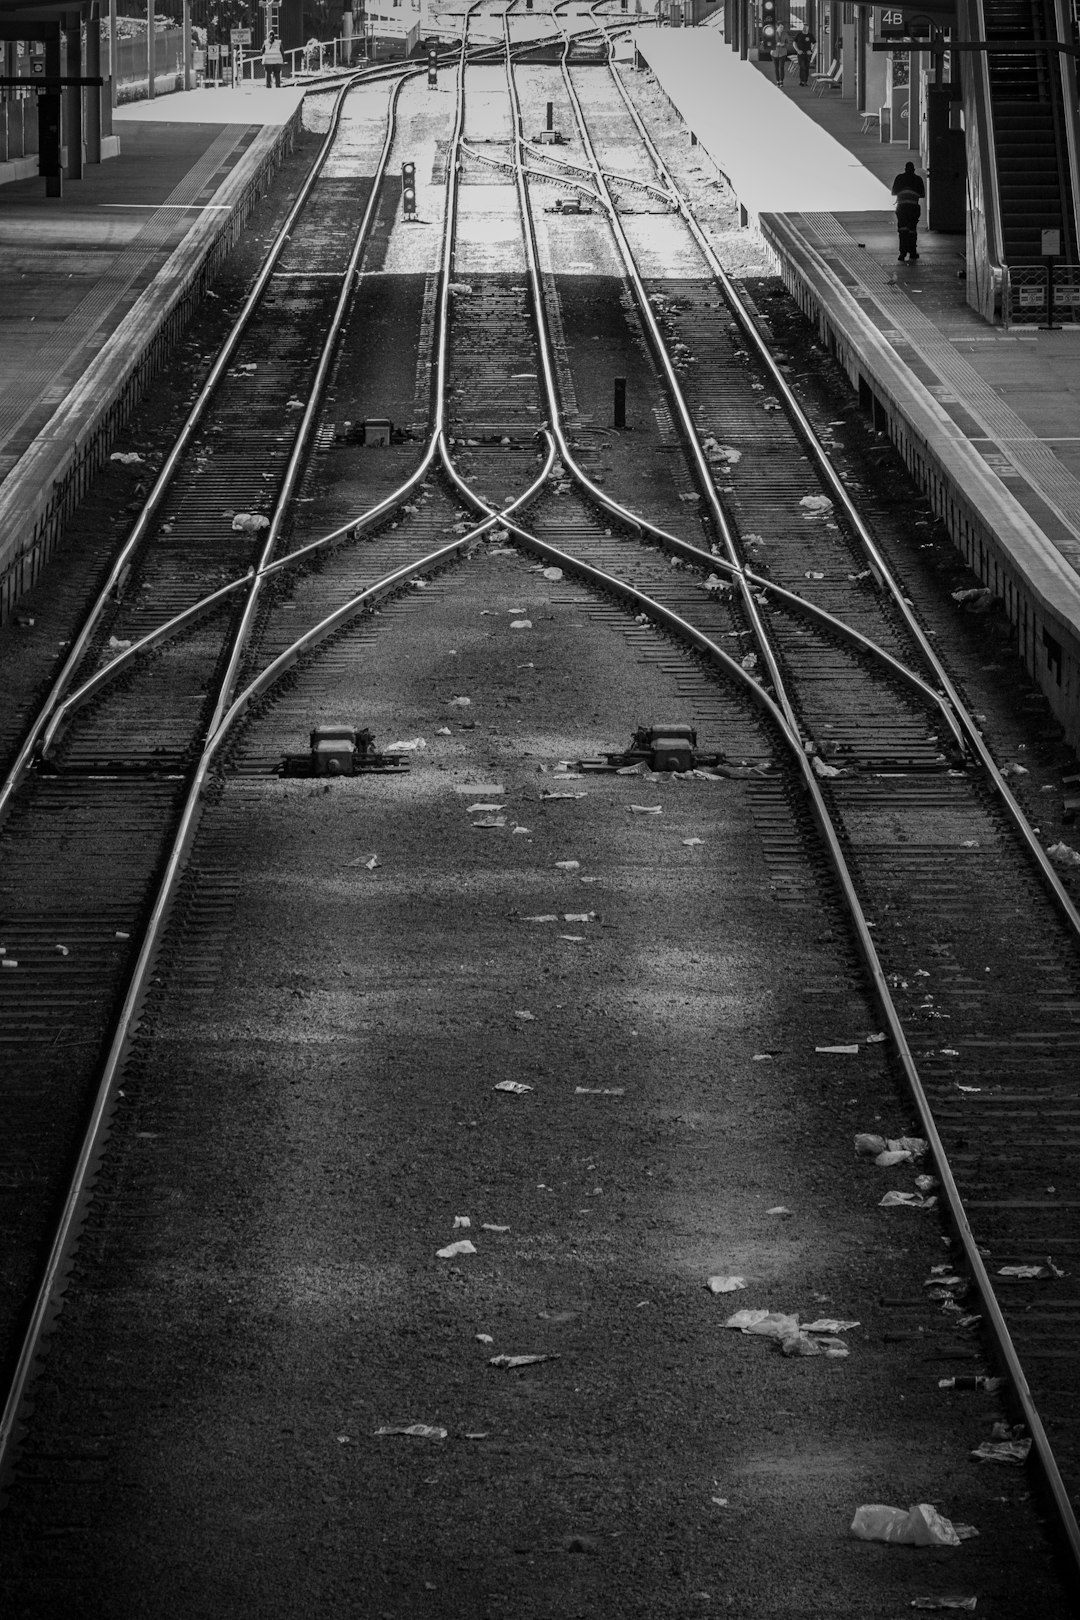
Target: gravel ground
[[262, 1291]]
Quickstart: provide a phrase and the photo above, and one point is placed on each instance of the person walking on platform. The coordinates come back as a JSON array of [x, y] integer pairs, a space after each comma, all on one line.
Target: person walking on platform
[[272, 60], [909, 181], [782, 49], [908, 188], [804, 42]]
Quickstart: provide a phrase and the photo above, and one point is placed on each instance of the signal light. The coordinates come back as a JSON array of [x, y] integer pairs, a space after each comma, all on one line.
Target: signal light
[[768, 26], [432, 67], [408, 190]]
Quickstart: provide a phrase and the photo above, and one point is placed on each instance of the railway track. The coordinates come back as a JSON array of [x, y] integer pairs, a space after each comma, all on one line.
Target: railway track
[[750, 551]]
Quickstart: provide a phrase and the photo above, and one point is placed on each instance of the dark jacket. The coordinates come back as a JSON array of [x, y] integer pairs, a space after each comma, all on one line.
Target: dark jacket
[[803, 41], [909, 182], [908, 211]]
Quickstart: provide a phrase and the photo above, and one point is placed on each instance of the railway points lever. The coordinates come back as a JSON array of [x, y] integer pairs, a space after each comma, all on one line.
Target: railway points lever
[[343, 751], [666, 746]]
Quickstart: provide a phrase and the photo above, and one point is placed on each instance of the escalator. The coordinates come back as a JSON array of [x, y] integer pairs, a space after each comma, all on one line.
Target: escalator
[[1030, 122]]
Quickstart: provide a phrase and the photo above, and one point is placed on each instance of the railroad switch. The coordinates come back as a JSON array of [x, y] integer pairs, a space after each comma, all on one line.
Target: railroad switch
[[568, 205], [342, 751], [666, 747]]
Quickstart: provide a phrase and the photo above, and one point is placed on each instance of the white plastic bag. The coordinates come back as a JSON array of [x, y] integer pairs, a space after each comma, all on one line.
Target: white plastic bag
[[920, 1526]]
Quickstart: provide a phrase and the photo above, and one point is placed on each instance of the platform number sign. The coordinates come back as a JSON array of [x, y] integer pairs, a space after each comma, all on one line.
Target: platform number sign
[[768, 28], [408, 190]]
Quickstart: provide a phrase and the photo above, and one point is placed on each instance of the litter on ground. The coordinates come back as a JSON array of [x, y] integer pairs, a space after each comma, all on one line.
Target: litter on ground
[[419, 1431], [906, 1200], [519, 1361], [887, 1151], [452, 1250], [1014, 1452], [725, 1285], [840, 1051], [515, 1086], [646, 809], [813, 1339], [599, 1091], [920, 1526]]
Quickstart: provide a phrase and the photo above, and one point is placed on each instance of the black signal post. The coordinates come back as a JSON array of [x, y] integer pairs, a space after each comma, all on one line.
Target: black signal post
[[408, 190]]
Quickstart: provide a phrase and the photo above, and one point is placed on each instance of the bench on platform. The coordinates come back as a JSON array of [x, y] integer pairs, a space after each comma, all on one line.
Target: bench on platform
[[833, 80]]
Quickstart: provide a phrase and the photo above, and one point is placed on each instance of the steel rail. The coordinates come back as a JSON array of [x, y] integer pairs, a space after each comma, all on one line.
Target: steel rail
[[723, 530], [997, 1326], [312, 409], [541, 153], [882, 572], [267, 567], [352, 528], [161, 484], [65, 1235], [749, 584]]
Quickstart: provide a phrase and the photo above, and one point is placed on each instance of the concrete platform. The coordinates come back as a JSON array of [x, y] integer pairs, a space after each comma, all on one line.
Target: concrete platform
[[987, 419], [98, 283]]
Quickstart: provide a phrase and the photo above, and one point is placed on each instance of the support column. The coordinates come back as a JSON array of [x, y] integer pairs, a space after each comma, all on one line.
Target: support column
[[49, 111], [93, 91], [151, 49], [73, 94], [112, 54], [186, 44]]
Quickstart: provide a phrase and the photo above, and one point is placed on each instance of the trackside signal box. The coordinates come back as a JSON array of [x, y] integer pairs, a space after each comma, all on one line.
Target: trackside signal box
[[432, 67], [408, 190]]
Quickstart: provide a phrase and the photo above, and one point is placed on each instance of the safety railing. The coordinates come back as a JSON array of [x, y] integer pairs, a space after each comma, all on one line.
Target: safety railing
[[1041, 295]]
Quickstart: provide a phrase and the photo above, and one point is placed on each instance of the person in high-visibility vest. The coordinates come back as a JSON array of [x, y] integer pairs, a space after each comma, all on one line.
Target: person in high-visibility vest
[[272, 60]]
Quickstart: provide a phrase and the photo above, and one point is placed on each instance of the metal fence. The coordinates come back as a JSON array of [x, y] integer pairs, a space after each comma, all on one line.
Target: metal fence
[[1041, 295]]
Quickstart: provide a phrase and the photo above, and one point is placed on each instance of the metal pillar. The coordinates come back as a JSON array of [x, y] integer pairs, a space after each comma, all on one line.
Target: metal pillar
[[185, 43], [49, 113], [151, 49], [93, 91], [112, 53], [72, 124]]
